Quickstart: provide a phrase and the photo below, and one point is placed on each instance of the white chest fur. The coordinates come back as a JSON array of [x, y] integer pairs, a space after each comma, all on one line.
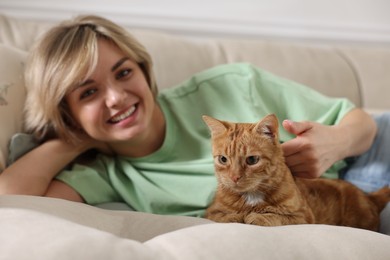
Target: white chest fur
[[253, 199]]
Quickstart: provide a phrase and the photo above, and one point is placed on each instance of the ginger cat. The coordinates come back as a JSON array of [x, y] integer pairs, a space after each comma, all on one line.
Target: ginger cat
[[256, 187]]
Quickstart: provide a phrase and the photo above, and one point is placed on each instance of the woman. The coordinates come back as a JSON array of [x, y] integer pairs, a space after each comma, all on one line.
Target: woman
[[91, 86]]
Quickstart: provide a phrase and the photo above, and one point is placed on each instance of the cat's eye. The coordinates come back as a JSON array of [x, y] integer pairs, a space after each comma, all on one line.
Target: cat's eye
[[222, 159], [252, 160]]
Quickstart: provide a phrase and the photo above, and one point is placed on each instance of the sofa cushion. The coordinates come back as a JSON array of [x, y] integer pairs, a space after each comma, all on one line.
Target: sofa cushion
[[46, 228], [242, 241], [372, 66], [139, 226], [27, 234], [12, 97], [21, 33], [176, 58]]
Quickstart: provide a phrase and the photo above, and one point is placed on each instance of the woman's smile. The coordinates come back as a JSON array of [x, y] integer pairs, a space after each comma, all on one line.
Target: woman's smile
[[123, 115]]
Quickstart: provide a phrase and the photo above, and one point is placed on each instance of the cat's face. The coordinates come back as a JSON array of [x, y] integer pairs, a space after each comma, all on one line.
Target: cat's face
[[243, 153]]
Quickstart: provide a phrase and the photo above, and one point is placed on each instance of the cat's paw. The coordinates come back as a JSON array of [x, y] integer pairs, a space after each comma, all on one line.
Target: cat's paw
[[226, 218], [258, 219]]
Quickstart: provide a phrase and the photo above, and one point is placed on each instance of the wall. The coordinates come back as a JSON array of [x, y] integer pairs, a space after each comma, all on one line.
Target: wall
[[363, 21]]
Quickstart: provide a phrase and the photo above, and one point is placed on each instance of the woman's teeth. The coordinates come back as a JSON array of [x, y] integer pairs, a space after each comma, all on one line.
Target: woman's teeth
[[122, 116]]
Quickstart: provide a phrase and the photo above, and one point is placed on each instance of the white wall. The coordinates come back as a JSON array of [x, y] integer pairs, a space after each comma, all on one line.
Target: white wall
[[366, 21]]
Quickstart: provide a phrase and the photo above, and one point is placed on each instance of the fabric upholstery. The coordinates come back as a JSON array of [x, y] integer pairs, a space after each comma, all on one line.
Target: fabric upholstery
[[58, 229], [12, 97]]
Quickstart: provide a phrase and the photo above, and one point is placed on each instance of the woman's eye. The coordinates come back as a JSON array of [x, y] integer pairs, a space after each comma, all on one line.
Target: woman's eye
[[252, 160], [222, 159], [87, 93], [123, 73]]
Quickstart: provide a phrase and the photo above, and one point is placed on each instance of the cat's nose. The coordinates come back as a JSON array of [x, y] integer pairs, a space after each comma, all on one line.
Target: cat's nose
[[235, 178]]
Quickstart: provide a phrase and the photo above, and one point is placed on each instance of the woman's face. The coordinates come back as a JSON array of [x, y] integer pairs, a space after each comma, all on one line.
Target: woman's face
[[115, 103]]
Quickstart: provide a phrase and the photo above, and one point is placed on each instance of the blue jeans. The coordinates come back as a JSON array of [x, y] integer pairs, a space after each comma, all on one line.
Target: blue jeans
[[371, 170]]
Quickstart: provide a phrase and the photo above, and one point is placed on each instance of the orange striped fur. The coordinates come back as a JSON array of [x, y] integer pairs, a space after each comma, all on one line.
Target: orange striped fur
[[256, 187]]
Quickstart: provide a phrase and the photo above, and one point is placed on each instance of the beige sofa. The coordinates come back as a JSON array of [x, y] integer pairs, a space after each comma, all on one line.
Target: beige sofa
[[43, 228]]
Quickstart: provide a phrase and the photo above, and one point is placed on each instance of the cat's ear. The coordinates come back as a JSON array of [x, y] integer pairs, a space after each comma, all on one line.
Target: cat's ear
[[216, 127], [268, 126]]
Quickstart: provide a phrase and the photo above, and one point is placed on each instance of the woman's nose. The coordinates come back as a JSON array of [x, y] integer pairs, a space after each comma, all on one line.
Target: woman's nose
[[114, 96]]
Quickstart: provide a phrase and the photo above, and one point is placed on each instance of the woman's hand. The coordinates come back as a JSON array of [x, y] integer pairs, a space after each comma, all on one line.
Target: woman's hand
[[316, 147]]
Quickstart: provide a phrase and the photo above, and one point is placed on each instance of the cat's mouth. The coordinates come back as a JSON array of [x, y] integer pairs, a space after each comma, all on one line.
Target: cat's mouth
[[238, 187], [242, 186]]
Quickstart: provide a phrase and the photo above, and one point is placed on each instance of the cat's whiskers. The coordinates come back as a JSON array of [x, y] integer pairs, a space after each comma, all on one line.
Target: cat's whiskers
[[257, 182]]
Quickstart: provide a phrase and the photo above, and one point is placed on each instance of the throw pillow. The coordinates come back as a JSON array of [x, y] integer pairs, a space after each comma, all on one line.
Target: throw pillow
[[12, 97]]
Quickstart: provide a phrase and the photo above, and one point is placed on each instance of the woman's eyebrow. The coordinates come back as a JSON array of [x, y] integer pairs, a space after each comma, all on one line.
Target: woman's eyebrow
[[82, 84], [89, 81], [119, 63]]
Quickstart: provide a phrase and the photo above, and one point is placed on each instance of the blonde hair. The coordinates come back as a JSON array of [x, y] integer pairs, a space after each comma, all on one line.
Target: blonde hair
[[65, 57]]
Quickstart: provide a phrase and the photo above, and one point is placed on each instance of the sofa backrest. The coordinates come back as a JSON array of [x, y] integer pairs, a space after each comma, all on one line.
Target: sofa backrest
[[358, 73]]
